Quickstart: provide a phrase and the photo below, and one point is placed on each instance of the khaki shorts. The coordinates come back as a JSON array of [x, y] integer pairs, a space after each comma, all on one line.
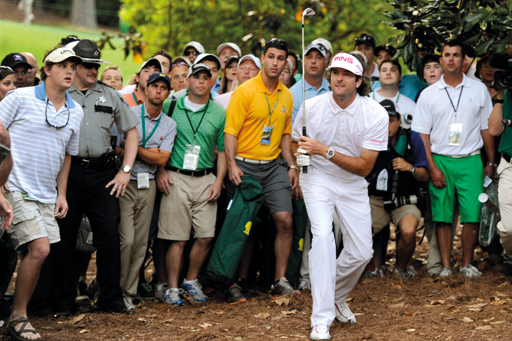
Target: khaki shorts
[[381, 217], [32, 220], [187, 206]]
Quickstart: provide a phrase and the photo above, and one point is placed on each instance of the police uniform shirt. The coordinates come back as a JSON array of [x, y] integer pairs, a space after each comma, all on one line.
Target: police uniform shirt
[[102, 105]]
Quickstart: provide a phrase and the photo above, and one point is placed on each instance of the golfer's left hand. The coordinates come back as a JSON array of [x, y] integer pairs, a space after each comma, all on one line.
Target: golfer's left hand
[[312, 146]]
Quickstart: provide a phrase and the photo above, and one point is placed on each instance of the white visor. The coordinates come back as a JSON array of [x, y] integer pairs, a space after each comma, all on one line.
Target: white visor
[[348, 62]]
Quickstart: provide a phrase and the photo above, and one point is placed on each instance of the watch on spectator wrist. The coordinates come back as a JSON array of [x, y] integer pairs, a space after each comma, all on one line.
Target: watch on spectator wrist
[[494, 165], [500, 101], [293, 167], [413, 170]]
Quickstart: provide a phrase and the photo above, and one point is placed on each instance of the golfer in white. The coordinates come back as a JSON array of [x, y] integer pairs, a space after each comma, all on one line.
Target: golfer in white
[[346, 131]]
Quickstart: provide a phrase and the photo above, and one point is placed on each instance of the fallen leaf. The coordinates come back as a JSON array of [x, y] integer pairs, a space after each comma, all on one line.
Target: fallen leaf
[[262, 315], [78, 319], [476, 307], [467, 320], [398, 305], [409, 314], [268, 327], [238, 338], [497, 322], [205, 325], [358, 314], [276, 318], [437, 302], [411, 330], [483, 328], [84, 331], [349, 300], [503, 284], [141, 319], [282, 300], [294, 311], [500, 302], [220, 312]]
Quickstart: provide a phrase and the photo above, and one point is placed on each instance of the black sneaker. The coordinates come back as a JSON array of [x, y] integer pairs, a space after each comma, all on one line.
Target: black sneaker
[[282, 287], [506, 266], [81, 289], [146, 291], [93, 290], [234, 295]]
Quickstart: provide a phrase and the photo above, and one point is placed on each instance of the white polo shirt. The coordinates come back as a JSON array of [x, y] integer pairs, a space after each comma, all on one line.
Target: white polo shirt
[[403, 104], [435, 113], [363, 124]]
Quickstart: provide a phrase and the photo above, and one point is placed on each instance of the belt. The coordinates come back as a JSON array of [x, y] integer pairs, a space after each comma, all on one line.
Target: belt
[[257, 162], [190, 173], [506, 157], [476, 152], [86, 163]]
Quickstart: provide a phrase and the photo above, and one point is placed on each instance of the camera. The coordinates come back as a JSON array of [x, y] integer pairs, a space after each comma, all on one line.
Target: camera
[[502, 79], [390, 204]]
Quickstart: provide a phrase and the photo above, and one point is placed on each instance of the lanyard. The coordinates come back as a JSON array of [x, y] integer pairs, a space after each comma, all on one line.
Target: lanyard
[[268, 103], [143, 120], [460, 95], [135, 97], [373, 95], [197, 129]]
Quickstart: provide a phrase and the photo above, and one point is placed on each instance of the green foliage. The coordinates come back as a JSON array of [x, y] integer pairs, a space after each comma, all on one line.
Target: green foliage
[[106, 10], [170, 24], [483, 25]]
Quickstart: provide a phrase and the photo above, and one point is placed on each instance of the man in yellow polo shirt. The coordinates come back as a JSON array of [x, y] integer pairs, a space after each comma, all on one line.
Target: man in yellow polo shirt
[[257, 143]]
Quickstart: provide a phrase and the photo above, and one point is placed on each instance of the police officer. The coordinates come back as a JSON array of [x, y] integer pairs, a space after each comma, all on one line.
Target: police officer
[[94, 186]]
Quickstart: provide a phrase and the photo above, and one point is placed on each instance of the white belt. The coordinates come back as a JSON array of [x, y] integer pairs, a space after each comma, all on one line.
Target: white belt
[[258, 162], [476, 152]]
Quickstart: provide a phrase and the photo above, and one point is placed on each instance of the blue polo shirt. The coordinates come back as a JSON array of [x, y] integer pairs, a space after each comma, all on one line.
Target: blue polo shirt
[[310, 92]]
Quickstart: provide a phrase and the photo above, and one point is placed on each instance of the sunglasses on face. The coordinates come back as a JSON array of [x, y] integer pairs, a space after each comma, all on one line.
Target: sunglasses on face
[[363, 39], [91, 66], [5, 71], [279, 43], [188, 53], [180, 64]]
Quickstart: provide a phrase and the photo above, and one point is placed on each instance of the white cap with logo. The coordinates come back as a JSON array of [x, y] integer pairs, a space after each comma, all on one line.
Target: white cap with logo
[[325, 43], [61, 54], [348, 62], [252, 58]]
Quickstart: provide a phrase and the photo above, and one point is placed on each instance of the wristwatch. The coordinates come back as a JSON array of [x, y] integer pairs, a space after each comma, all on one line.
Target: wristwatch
[[492, 164], [293, 167], [413, 171], [330, 154], [501, 101], [126, 169]]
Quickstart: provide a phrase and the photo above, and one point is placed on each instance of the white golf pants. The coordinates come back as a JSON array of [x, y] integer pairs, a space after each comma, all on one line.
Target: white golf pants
[[332, 279]]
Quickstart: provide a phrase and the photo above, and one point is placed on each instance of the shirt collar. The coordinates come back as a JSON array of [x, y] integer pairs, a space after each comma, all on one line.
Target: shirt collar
[[260, 86], [41, 94], [325, 85], [146, 114], [181, 104], [139, 101], [443, 85], [351, 109]]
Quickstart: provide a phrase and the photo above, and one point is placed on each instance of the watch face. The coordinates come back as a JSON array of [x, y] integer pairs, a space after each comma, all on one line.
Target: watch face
[[126, 169], [330, 152]]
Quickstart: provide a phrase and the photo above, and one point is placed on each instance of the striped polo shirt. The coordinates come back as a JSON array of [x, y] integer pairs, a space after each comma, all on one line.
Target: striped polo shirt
[[38, 149]]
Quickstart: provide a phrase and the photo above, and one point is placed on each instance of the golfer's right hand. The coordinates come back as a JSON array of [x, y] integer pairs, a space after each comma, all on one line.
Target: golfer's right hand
[[234, 174], [163, 179]]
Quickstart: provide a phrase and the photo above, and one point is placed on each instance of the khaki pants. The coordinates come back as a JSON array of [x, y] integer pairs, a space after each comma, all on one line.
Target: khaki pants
[[505, 200], [136, 211]]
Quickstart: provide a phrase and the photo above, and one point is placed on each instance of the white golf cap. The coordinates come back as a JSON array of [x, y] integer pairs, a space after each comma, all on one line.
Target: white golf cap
[[210, 56], [195, 45], [325, 43], [232, 45], [61, 54], [250, 57], [348, 62]]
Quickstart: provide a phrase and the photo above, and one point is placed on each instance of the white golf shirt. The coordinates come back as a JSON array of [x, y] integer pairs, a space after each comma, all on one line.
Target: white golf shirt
[[363, 124], [403, 104], [439, 107]]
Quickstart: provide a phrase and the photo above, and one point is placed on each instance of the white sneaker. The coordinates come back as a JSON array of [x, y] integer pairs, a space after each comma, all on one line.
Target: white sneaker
[[446, 272], [320, 332], [469, 271], [304, 284], [128, 302], [160, 292], [343, 313]]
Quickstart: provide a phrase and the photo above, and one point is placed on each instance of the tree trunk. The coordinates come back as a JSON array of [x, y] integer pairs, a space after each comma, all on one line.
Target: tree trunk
[[83, 13]]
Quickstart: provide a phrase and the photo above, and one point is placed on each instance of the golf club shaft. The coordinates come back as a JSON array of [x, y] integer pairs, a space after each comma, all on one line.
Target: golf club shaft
[[304, 168]]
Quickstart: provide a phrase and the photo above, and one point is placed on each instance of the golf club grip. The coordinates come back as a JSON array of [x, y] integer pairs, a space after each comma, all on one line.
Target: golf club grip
[[304, 168]]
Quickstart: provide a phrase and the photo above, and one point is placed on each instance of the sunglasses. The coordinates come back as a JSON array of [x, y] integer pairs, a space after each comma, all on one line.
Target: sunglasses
[[364, 39], [50, 124], [180, 64], [91, 66], [188, 53], [279, 43], [5, 71]]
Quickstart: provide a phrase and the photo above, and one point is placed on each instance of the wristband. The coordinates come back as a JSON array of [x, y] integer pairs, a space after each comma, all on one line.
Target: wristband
[[492, 164], [500, 101]]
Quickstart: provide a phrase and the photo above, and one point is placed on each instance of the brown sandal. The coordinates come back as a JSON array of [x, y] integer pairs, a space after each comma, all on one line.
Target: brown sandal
[[16, 335]]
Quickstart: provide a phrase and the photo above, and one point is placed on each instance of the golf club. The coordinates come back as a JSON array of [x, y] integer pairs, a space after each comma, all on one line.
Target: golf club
[[305, 159]]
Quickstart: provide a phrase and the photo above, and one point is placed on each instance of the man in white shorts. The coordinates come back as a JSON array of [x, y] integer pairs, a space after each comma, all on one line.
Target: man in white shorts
[[346, 131]]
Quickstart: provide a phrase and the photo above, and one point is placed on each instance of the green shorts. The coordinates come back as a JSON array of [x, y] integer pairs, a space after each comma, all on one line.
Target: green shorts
[[464, 178]]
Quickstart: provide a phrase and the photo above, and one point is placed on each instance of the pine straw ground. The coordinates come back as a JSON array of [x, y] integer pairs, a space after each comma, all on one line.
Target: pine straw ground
[[386, 309]]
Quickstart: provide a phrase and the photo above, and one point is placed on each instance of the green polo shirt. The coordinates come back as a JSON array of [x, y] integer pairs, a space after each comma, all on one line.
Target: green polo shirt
[[506, 139], [209, 134]]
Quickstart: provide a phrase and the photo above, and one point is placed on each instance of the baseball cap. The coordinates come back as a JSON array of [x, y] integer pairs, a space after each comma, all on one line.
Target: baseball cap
[[250, 57], [195, 45], [318, 47], [386, 47], [156, 76], [5, 71], [151, 62], [61, 54], [232, 45], [367, 39], [348, 62], [13, 60], [198, 67], [390, 107], [231, 60], [325, 43], [208, 56], [88, 50]]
